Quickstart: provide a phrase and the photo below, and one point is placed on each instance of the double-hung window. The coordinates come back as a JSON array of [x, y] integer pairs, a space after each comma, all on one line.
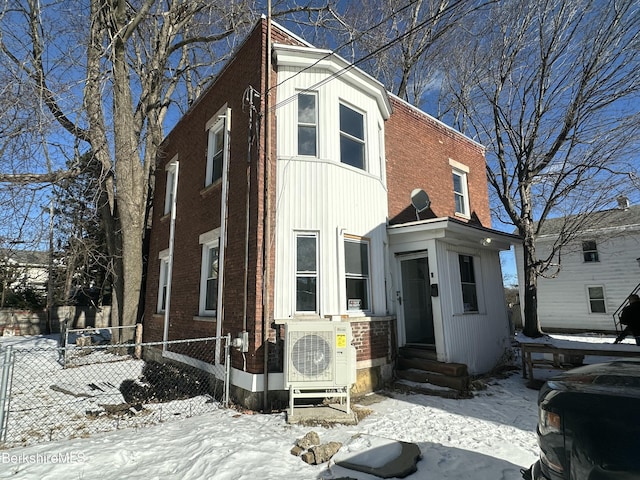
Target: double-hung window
[[307, 124], [460, 188], [171, 187], [590, 251], [215, 151], [352, 147], [307, 272], [163, 281], [358, 285], [209, 272], [597, 302], [468, 283]]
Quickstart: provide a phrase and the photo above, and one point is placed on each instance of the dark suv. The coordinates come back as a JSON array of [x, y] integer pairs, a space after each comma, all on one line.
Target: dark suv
[[589, 424]]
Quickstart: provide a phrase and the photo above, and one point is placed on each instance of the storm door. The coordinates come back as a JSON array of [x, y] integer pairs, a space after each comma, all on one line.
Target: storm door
[[416, 301]]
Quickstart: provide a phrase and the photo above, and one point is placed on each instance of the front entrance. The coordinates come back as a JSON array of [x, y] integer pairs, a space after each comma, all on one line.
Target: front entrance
[[416, 301]]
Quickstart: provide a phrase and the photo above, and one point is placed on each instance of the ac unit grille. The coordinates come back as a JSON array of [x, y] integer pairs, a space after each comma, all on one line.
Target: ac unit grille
[[311, 356]]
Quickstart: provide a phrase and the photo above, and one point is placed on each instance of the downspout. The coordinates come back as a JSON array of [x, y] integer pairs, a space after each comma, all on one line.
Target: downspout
[[172, 235], [267, 224]]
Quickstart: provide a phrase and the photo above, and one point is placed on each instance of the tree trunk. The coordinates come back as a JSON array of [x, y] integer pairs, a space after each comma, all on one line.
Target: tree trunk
[[531, 323]]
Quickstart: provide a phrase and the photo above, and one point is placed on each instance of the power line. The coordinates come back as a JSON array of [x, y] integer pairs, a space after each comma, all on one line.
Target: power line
[[382, 48]]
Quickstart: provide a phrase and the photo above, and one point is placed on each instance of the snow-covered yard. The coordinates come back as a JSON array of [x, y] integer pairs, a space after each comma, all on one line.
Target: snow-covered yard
[[491, 436]]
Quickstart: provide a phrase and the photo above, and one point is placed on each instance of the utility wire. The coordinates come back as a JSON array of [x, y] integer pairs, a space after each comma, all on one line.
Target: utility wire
[[352, 40], [342, 71]]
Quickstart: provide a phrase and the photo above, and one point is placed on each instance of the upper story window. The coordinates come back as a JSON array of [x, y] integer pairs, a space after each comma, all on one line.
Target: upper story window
[[215, 150], [460, 188], [307, 272], [307, 124], [597, 302], [352, 150], [171, 187], [468, 281], [356, 261], [590, 251]]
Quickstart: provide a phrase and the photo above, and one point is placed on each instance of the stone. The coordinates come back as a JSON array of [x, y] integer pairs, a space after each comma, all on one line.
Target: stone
[[309, 440], [323, 453], [297, 451]]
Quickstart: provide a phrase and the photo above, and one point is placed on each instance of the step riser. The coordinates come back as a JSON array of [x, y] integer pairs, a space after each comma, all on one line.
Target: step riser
[[450, 369], [460, 384]]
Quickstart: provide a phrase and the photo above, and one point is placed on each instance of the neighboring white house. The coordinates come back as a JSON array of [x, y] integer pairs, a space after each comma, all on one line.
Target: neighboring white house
[[599, 268], [25, 268]]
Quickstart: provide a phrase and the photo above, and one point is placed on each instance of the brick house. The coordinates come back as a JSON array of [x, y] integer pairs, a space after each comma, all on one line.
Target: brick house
[[341, 204]]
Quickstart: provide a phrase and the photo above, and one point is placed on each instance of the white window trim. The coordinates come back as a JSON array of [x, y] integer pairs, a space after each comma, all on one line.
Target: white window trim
[[589, 299], [296, 274], [207, 240], [462, 171], [356, 239], [365, 160], [163, 280], [216, 123], [456, 298], [171, 187], [316, 125]]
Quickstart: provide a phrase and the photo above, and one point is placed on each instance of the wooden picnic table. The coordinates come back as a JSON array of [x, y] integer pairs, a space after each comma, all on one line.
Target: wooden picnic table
[[565, 356]]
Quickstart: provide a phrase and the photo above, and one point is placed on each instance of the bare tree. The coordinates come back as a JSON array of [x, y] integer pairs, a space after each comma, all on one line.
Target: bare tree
[[401, 42], [107, 73], [552, 88]]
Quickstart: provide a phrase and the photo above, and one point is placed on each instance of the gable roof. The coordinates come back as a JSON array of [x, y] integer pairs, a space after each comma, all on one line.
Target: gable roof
[[604, 219], [26, 257]]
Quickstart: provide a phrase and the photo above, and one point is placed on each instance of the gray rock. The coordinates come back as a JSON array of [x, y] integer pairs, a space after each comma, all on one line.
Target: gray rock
[[309, 440]]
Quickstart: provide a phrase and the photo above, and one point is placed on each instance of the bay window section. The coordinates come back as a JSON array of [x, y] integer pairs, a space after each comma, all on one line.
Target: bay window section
[[352, 149], [358, 286], [307, 124], [306, 273]]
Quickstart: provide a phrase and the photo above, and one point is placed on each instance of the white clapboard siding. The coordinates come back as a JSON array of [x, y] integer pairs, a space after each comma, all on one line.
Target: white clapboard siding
[[563, 302]]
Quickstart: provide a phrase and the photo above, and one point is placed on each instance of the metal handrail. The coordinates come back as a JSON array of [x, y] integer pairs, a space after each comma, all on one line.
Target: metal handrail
[[616, 314]]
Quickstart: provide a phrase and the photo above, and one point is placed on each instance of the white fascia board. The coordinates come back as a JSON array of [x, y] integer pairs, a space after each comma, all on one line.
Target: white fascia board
[[461, 232], [306, 57]]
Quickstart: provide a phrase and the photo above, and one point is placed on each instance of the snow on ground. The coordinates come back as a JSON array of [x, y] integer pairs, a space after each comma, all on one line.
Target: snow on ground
[[491, 436]]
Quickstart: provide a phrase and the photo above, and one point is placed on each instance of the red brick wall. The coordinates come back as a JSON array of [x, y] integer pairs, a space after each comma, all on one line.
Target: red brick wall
[[374, 339], [198, 208], [418, 150]]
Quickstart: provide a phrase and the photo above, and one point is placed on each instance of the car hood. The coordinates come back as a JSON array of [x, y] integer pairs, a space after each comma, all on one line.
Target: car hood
[[619, 378]]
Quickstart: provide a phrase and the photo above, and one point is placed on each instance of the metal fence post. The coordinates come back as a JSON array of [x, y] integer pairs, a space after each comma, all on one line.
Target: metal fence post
[[8, 358]]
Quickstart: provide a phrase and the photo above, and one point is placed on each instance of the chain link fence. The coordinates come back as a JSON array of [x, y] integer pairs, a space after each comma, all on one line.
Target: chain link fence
[[52, 392]]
